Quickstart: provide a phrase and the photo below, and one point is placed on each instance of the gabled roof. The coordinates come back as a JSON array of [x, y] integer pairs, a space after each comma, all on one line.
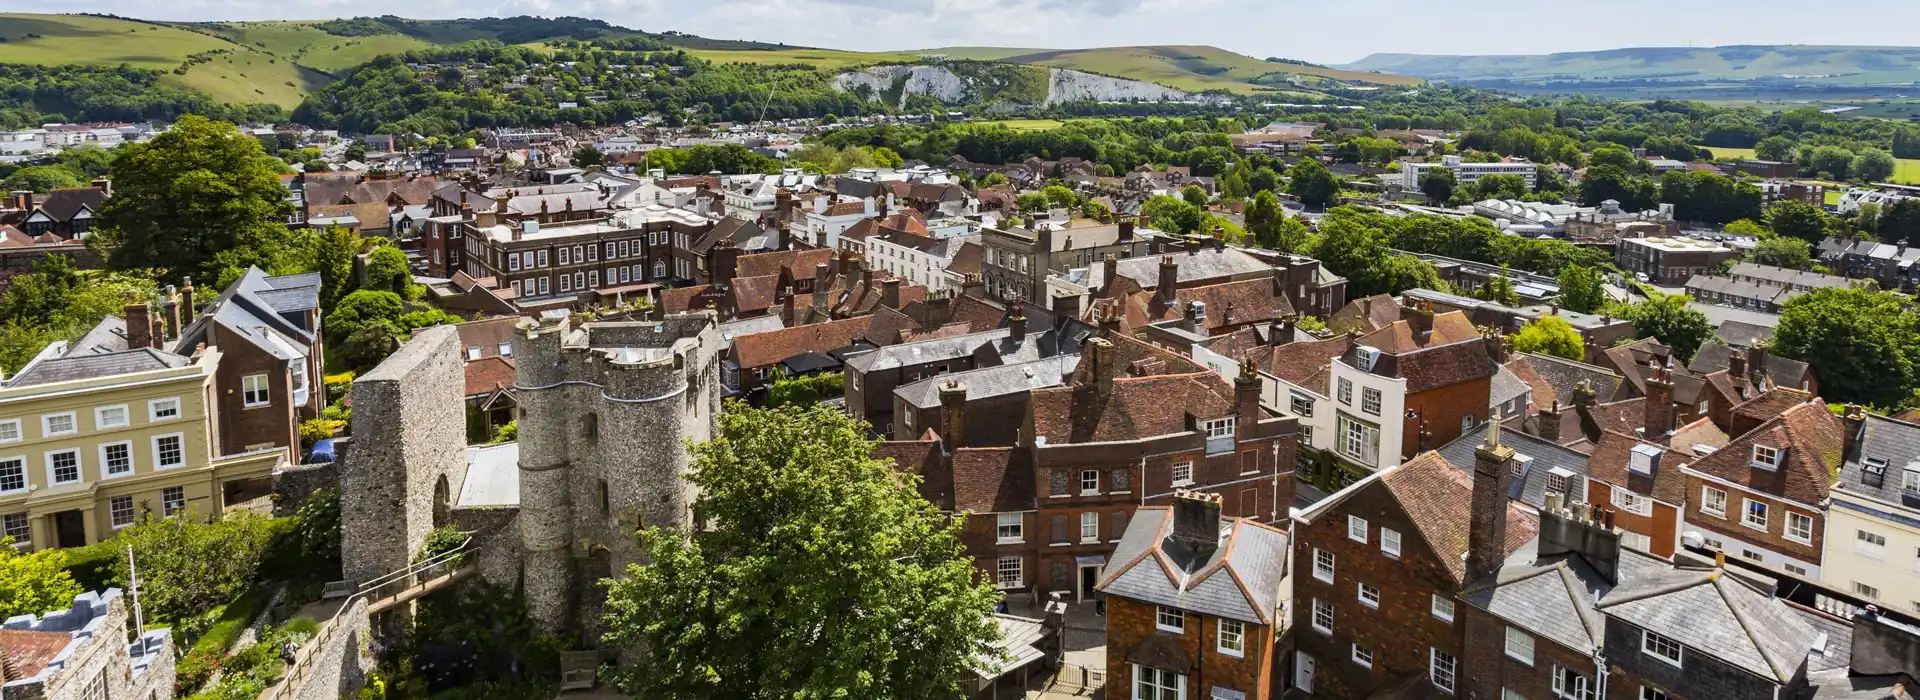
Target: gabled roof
[[992, 480], [765, 349], [1813, 440], [488, 374], [1542, 459], [92, 366], [1435, 496], [1136, 407], [1238, 580], [1612, 463], [1893, 448], [1295, 362], [1717, 615], [1714, 356], [799, 264], [1365, 315], [255, 307], [1553, 378], [63, 204]]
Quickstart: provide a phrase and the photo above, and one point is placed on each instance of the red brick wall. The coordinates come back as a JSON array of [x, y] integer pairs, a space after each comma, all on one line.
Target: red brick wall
[[1402, 630], [1773, 538], [1661, 525], [241, 426], [979, 534], [1441, 409], [1131, 622]]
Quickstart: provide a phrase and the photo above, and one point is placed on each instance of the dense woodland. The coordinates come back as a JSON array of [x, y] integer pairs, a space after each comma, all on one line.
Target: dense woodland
[[35, 95]]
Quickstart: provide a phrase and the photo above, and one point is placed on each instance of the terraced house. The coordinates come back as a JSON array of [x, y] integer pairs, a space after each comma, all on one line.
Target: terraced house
[[91, 442]]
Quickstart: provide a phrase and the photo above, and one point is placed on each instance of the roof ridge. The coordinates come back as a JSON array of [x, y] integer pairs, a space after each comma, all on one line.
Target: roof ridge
[[1582, 608], [1746, 625]]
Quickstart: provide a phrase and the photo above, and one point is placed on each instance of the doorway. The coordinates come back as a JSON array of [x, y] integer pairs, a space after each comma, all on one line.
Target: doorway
[[1303, 672], [70, 528], [1089, 578]]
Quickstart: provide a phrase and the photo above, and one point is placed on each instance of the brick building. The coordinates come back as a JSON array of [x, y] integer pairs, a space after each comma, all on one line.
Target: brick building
[[272, 356], [1195, 603], [1763, 496]]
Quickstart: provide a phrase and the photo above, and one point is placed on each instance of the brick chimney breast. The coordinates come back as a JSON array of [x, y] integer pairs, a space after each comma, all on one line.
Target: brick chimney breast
[[1196, 522], [953, 413], [1487, 533]]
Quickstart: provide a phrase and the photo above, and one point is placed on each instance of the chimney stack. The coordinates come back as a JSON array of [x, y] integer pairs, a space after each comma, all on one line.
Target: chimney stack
[[1487, 534], [1017, 325], [1126, 228], [1111, 268], [1659, 402], [1196, 522], [1737, 364], [139, 326], [1757, 368], [1098, 364], [1169, 279], [1246, 395], [173, 312], [1280, 330], [890, 293], [1547, 422], [1854, 421], [953, 414]]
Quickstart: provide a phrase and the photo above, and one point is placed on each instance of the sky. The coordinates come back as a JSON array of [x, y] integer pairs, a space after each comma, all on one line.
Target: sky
[[1322, 31]]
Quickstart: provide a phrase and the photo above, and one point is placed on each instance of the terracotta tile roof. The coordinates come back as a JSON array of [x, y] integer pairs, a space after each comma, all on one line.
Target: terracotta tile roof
[[1445, 365], [1611, 462], [1295, 362], [888, 325], [846, 209], [979, 314], [1580, 429], [765, 349], [488, 334], [28, 651], [1236, 303], [1770, 403], [798, 263], [679, 300], [1436, 497], [1136, 408], [489, 373], [1365, 315], [947, 331], [1399, 336], [756, 293], [1554, 378], [1813, 441], [908, 221], [969, 260], [992, 480], [925, 458]]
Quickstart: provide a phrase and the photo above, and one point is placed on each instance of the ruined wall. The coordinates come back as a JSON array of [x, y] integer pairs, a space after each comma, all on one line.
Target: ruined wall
[[409, 428], [339, 667]]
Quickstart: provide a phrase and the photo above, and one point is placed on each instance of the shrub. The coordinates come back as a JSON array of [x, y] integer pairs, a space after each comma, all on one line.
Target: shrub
[[92, 566], [190, 566], [319, 429], [193, 670], [439, 541]]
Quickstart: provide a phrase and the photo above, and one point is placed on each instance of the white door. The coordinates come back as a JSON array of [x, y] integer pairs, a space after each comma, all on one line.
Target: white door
[[1303, 672]]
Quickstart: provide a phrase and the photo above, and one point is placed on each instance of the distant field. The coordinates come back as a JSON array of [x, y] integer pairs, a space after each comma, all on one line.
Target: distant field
[[1833, 198], [306, 44], [98, 41], [252, 77], [1739, 153], [1907, 171], [1026, 124], [826, 59], [1196, 68], [980, 53]]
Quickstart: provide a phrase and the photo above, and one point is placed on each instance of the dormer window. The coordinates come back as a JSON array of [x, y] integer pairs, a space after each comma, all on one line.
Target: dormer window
[[1874, 472], [1766, 457], [1644, 459]]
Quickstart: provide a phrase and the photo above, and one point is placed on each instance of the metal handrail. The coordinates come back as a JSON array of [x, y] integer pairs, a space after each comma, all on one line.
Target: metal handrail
[[303, 657]]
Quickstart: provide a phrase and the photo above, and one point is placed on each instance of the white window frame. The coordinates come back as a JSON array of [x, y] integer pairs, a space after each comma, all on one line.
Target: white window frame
[[564, 258], [1582, 687], [1219, 427], [115, 513], [1170, 619], [158, 408], [1321, 609], [79, 467], [106, 464], [566, 283], [170, 507], [1766, 457], [1871, 545], [1010, 528], [1630, 502], [1323, 563], [256, 384], [1370, 401], [100, 417], [1362, 656], [1648, 693], [540, 256], [1443, 676], [1865, 590], [1519, 645], [10, 431], [1015, 565], [1390, 542], [1089, 482], [46, 424], [1442, 608], [1089, 523], [1344, 388], [159, 462], [1708, 495], [1368, 595], [1653, 644], [19, 464], [1183, 473], [513, 262], [1807, 532], [1156, 690], [22, 533], [1357, 529], [1231, 638], [1358, 439], [1746, 514]]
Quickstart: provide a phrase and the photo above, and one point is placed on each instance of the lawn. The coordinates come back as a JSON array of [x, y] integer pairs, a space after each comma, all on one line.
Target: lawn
[[1907, 171], [1733, 153], [1027, 124]]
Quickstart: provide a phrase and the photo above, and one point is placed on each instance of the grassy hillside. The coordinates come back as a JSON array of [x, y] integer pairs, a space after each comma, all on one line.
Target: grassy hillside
[[980, 53], [1811, 64], [825, 59], [225, 71], [1198, 68]]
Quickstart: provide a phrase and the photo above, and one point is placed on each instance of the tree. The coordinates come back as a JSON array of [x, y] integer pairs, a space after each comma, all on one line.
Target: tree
[[189, 565], [1604, 182], [1313, 184], [1264, 218], [1872, 165], [1745, 227], [1774, 148], [1194, 196], [1500, 187], [198, 192], [1828, 161], [1781, 251], [1899, 220], [824, 574], [992, 179], [1499, 289], [31, 584], [1438, 185], [41, 178], [1550, 335], [1667, 318], [1582, 289], [387, 270], [588, 156], [1060, 197], [333, 250], [1172, 214], [1264, 179], [1862, 344], [86, 161], [1796, 219]]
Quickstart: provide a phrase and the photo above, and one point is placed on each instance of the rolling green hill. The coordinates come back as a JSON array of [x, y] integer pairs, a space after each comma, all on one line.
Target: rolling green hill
[[225, 71], [1839, 65], [1190, 68]]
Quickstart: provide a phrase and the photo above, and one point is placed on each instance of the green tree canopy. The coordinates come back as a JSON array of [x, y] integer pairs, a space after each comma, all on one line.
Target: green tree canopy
[[1265, 218], [1582, 289], [1312, 183], [42, 178], [1796, 219], [189, 565], [1872, 165], [1667, 318], [1863, 344], [194, 200], [1438, 185], [588, 156], [825, 575], [1781, 251], [1194, 196], [33, 583], [1499, 187], [1550, 335]]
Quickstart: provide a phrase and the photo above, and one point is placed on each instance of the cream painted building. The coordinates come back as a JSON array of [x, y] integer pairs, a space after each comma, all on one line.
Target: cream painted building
[[1872, 542], [91, 441]]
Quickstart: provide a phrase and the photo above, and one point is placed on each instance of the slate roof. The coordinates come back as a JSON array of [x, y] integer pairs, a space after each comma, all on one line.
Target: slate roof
[[1714, 356], [1193, 266], [1542, 458], [1718, 615], [94, 366], [988, 382], [1893, 446], [1506, 386], [1739, 333], [255, 302], [990, 347], [1239, 580], [1553, 596], [109, 335], [63, 203]]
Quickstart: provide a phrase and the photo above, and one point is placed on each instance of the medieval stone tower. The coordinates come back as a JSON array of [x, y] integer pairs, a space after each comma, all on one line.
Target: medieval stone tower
[[606, 413]]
